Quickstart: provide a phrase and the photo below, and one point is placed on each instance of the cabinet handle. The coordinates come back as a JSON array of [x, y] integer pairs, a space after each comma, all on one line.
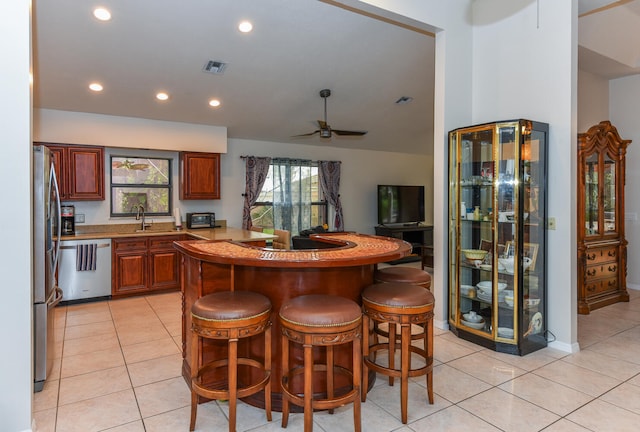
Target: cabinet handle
[[613, 268], [612, 253], [591, 257], [591, 288], [612, 283], [591, 272]]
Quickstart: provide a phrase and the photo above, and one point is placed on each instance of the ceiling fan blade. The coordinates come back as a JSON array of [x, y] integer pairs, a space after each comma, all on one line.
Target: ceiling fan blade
[[346, 132], [307, 134]]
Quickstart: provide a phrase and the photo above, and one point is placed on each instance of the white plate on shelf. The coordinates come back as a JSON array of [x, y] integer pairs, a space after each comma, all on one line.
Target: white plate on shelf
[[486, 267], [474, 325], [505, 332]]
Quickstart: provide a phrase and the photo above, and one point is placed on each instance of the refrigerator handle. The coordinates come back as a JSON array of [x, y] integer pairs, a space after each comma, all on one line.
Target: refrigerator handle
[[54, 181]]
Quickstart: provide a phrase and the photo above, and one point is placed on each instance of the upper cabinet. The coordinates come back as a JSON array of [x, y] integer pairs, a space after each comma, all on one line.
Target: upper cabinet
[[602, 247], [497, 236], [80, 171], [199, 176]]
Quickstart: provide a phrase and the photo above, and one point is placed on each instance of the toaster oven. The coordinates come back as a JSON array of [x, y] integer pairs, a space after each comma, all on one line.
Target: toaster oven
[[201, 220]]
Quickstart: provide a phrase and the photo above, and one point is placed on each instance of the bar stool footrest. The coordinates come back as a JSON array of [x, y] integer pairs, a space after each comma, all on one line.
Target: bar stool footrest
[[371, 364], [242, 392], [320, 404]]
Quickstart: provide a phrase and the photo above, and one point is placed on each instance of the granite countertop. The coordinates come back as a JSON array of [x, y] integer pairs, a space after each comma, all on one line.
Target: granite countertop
[[90, 232], [351, 249]]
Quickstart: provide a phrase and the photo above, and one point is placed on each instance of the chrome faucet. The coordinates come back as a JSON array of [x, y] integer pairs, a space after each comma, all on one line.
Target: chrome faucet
[[140, 216]]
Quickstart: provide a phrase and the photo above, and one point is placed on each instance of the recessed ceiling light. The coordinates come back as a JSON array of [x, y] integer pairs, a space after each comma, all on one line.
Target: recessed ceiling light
[[245, 26], [214, 103], [162, 96], [96, 87], [102, 14]]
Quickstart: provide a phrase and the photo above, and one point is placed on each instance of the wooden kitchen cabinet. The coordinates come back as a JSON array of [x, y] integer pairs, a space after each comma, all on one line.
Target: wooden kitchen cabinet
[[129, 266], [199, 176], [145, 264], [80, 171], [164, 269], [602, 247]]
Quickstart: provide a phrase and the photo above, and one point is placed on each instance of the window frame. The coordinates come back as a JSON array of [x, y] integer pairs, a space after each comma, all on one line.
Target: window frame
[[113, 185], [322, 204]]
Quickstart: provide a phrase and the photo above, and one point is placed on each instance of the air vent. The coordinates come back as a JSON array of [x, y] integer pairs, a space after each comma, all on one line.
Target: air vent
[[214, 67], [404, 100]]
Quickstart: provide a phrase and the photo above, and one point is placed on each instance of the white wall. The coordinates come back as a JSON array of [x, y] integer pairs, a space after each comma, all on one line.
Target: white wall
[[361, 172], [115, 131], [524, 66], [15, 193], [593, 100], [452, 99], [624, 106]]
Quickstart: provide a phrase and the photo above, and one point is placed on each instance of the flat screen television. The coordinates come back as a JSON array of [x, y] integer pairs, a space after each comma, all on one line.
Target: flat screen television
[[400, 204]]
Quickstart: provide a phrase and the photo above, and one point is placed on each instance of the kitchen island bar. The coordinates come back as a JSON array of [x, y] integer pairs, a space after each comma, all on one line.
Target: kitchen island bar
[[345, 270]]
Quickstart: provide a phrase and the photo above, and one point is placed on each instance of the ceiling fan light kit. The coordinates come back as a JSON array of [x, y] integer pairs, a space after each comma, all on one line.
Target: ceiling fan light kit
[[325, 130]]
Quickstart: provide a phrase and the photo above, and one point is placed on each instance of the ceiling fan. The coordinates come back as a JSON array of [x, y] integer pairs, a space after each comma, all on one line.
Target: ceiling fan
[[325, 130]]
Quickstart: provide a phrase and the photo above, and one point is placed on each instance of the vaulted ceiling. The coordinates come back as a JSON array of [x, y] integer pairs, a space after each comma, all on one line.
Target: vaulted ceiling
[[270, 87]]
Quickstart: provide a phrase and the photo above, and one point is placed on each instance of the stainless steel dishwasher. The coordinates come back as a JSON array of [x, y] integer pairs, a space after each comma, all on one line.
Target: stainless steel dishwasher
[[80, 284]]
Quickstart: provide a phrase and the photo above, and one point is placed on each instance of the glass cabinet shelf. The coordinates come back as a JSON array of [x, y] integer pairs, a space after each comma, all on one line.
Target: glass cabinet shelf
[[497, 240]]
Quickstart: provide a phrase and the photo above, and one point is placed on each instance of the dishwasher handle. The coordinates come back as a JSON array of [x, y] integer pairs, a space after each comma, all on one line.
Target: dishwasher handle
[[101, 245]]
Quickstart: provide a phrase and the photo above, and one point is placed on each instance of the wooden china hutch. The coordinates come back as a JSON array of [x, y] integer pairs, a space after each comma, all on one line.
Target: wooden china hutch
[[602, 247]]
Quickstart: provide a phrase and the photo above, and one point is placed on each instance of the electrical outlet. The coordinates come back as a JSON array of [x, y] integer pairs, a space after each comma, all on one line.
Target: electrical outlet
[[79, 218], [551, 223]]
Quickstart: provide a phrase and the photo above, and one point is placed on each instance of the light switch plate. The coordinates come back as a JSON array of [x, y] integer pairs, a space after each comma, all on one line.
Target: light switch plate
[[79, 218], [551, 223]]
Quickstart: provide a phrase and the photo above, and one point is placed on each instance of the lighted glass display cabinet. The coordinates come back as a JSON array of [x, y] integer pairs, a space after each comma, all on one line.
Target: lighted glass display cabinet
[[497, 236]]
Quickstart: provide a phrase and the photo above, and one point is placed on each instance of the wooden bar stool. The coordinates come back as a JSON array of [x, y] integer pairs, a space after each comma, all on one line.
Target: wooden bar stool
[[229, 316], [402, 305], [320, 321], [410, 275], [400, 274]]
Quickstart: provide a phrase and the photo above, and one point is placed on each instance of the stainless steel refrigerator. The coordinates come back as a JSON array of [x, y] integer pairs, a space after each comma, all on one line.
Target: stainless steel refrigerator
[[46, 246]]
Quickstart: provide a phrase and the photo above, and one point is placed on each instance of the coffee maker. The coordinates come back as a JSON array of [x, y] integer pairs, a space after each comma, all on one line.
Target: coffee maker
[[67, 219]]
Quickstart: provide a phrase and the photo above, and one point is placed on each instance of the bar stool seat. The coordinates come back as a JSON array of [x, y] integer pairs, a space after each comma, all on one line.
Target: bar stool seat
[[320, 321], [229, 316], [403, 274], [410, 275], [398, 304]]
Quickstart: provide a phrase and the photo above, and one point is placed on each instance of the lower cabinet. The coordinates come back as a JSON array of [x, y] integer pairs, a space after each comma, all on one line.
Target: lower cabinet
[[144, 264], [600, 265]]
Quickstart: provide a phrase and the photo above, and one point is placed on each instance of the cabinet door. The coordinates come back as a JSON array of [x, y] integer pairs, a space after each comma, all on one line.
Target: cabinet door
[[60, 167], [86, 173], [164, 268], [129, 265], [199, 176], [131, 273]]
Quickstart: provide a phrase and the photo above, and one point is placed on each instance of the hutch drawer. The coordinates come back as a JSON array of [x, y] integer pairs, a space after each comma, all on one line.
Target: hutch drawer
[[601, 255], [601, 286]]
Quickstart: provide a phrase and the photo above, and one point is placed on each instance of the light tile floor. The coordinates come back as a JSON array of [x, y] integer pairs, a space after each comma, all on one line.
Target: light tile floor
[[118, 369]]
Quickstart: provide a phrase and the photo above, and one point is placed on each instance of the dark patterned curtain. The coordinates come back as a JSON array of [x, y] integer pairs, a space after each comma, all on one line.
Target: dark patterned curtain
[[257, 169], [329, 178]]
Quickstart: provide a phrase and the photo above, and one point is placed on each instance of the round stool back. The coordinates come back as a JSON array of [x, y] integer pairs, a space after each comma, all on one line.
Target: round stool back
[[403, 274]]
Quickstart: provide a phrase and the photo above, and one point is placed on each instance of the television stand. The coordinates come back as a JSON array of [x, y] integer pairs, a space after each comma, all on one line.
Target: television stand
[[420, 237]]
